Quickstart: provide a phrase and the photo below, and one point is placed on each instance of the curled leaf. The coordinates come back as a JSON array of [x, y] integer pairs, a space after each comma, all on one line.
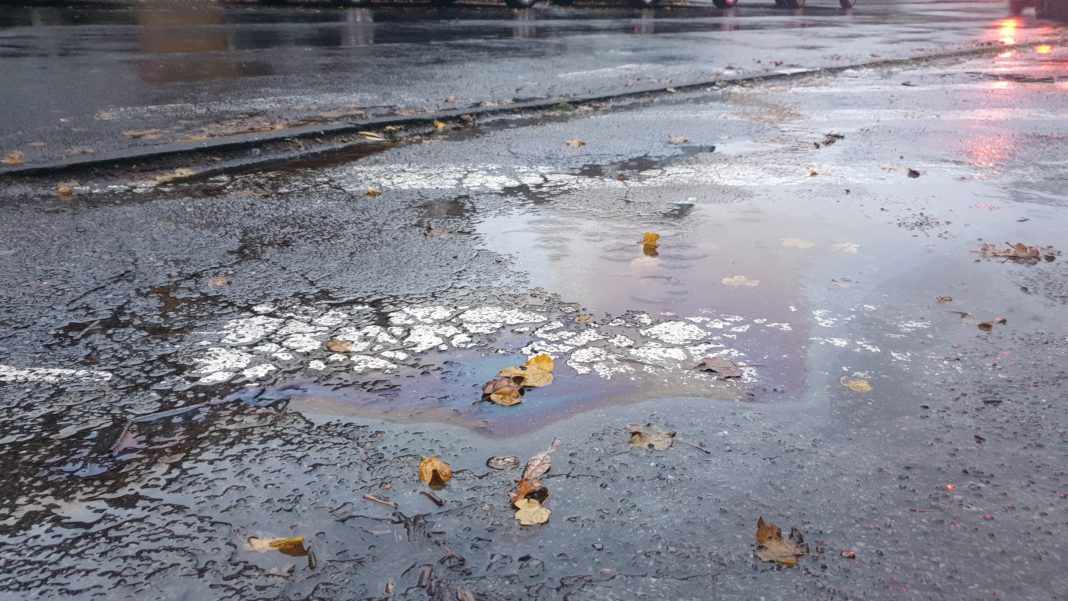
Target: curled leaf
[[772, 547], [650, 437], [293, 547], [530, 512], [503, 391], [856, 385], [529, 489], [539, 464], [66, 190], [434, 472]]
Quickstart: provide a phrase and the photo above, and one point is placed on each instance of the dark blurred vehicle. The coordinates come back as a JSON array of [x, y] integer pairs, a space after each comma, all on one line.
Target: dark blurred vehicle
[[1044, 9]]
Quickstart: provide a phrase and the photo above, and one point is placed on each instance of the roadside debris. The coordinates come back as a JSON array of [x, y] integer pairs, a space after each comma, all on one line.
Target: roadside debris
[[739, 281], [372, 192], [511, 382], [338, 346], [651, 244], [831, 139], [530, 495], [530, 512], [370, 135], [856, 385], [944, 299], [773, 548], [15, 157], [913, 173], [439, 125], [218, 282], [65, 190], [678, 140], [650, 437], [294, 547], [576, 143], [539, 464], [724, 368], [434, 472], [505, 462], [986, 326], [1019, 252]]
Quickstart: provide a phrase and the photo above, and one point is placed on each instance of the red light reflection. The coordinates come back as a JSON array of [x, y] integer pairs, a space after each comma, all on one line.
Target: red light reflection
[[1044, 49], [1007, 31]]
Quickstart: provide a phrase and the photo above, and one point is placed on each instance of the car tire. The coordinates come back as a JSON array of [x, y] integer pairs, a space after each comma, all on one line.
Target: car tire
[[725, 3], [520, 3]]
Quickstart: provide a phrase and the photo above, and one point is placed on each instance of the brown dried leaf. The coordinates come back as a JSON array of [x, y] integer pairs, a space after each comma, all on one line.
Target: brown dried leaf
[[503, 391], [986, 326], [177, 174], [575, 143], [583, 319], [15, 157], [724, 368], [66, 190], [536, 373], [650, 437], [856, 385], [372, 192], [539, 464], [337, 345], [529, 489], [772, 547], [144, 134], [293, 547], [434, 472]]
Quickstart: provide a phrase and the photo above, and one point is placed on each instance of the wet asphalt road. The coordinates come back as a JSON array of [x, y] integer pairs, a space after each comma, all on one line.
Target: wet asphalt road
[[83, 83], [166, 393]]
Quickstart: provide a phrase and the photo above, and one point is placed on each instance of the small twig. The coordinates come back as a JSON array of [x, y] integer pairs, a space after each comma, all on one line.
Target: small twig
[[436, 499], [381, 501], [694, 445]]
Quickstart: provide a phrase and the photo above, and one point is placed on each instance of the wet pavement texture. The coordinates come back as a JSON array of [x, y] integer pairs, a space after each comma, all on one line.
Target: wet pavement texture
[[168, 395], [91, 82]]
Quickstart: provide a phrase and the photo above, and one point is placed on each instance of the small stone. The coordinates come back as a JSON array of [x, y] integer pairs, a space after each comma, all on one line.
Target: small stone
[[598, 546], [502, 462]]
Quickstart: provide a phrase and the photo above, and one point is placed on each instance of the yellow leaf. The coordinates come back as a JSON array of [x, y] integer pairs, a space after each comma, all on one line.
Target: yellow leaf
[[575, 143], [504, 391], [812, 172], [167, 178], [372, 192], [856, 385], [434, 472], [528, 377], [651, 239], [439, 125], [370, 135], [542, 361], [530, 512], [772, 547], [14, 158], [65, 190], [288, 546]]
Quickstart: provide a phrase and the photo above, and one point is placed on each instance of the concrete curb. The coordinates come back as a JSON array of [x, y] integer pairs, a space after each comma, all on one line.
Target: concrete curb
[[191, 150]]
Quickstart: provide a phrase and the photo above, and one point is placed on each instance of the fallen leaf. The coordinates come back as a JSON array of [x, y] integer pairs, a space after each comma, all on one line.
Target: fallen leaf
[[986, 326], [146, 134], [503, 391], [434, 472], [536, 373], [505, 462], [671, 90], [723, 368], [650, 437], [913, 173], [651, 239], [772, 547], [583, 319], [66, 190], [339, 346], [177, 174], [944, 299], [797, 243], [739, 280], [575, 143], [15, 157], [392, 129], [529, 489], [539, 464], [812, 172], [529, 512], [104, 116], [856, 385], [439, 125], [370, 135], [218, 282], [849, 554], [832, 138], [1019, 252], [678, 140], [846, 247], [293, 547], [372, 192]]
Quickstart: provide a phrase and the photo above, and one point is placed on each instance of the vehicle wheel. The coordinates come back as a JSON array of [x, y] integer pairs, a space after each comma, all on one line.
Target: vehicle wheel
[[847, 3], [725, 3], [520, 3], [646, 3]]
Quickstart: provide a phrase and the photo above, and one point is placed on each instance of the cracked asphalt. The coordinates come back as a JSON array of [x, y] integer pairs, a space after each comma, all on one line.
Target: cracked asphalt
[[167, 394]]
